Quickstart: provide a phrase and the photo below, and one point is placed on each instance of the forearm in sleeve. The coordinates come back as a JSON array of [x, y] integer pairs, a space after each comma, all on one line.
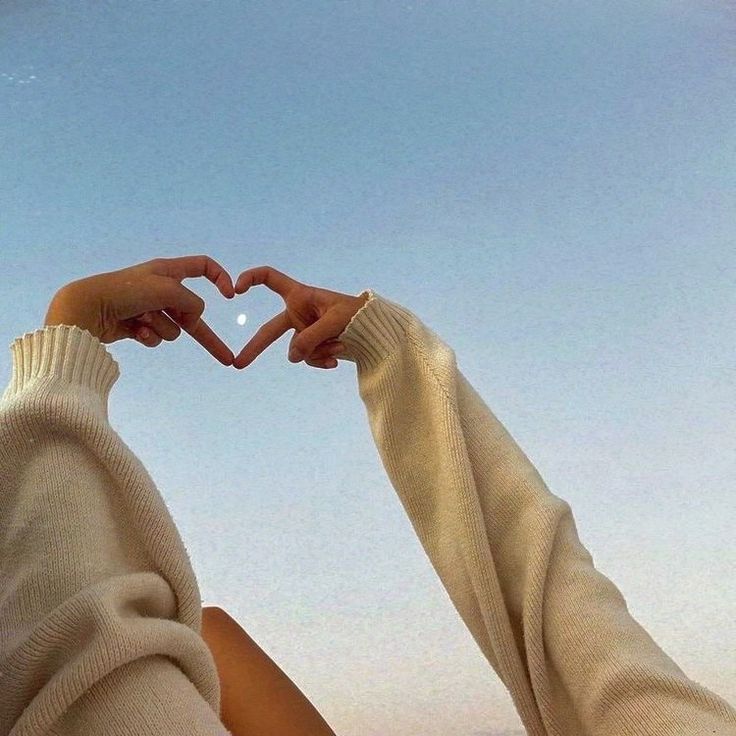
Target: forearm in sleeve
[[556, 630], [99, 606]]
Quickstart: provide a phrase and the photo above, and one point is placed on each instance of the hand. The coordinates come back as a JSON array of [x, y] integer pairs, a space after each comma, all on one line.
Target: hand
[[145, 297], [317, 315]]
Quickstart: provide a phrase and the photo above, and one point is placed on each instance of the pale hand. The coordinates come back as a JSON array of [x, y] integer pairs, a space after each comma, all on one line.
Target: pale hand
[[145, 297], [318, 317], [147, 302]]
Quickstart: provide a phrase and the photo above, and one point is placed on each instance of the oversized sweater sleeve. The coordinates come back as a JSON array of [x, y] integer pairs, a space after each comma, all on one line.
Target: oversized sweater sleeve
[[557, 631], [100, 612]]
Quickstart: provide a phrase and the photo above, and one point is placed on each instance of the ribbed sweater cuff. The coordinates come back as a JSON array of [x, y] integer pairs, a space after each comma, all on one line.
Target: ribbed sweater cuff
[[66, 356], [375, 330]]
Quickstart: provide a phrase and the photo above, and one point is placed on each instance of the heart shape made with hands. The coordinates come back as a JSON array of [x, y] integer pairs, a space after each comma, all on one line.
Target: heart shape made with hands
[[318, 313]]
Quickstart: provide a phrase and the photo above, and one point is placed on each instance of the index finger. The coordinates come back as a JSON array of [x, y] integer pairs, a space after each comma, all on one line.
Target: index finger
[[186, 267], [203, 334], [271, 277]]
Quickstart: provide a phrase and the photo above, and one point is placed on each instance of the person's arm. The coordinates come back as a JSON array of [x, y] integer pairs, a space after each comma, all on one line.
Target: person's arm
[[100, 610], [556, 631], [100, 613]]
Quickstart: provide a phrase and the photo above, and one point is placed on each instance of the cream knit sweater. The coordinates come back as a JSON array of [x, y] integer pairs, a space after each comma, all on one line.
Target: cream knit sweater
[[100, 610]]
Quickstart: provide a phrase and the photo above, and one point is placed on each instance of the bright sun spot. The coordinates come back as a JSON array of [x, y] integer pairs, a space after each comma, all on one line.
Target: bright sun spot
[[241, 319]]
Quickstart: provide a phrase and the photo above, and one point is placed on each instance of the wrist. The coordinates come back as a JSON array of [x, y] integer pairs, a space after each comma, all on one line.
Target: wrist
[[63, 310]]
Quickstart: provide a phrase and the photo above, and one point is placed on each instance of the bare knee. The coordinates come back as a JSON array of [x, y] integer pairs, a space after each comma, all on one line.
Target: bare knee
[[257, 697]]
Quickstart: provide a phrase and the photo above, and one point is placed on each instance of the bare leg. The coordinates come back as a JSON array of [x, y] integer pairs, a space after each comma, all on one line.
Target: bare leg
[[258, 699]]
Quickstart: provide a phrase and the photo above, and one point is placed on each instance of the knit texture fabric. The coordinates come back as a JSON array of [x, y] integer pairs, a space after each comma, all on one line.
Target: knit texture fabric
[[100, 611]]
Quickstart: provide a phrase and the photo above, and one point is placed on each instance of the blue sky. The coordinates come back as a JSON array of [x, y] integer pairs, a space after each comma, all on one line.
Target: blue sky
[[550, 189]]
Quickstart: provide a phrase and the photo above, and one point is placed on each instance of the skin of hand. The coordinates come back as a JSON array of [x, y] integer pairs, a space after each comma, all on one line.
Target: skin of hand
[[145, 302], [148, 303], [318, 316]]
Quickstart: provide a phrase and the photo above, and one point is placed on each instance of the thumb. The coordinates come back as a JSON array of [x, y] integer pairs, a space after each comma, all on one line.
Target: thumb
[[304, 343]]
